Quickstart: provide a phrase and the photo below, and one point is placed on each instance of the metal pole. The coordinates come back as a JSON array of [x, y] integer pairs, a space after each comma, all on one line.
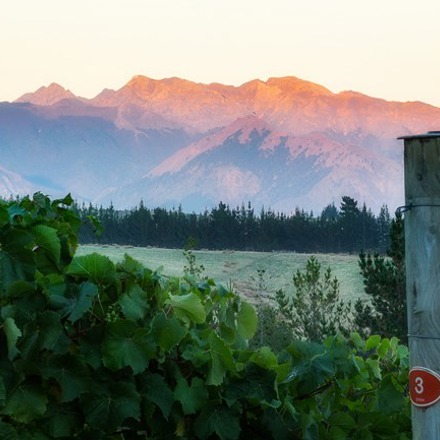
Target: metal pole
[[422, 261]]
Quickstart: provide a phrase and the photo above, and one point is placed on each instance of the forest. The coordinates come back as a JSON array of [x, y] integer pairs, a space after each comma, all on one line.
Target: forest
[[344, 229]]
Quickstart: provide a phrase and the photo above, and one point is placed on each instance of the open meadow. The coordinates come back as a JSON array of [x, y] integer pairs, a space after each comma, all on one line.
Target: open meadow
[[241, 268]]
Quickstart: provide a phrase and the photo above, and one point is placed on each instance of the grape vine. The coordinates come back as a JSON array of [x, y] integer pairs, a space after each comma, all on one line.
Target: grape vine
[[91, 349]]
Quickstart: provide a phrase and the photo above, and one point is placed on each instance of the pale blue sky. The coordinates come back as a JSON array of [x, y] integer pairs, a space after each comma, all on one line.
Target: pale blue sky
[[383, 48]]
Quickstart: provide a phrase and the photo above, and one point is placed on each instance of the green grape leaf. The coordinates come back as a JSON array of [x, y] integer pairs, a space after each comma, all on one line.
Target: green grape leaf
[[372, 342], [18, 215], [83, 302], [192, 398], [45, 332], [277, 425], [89, 342], [389, 398], [63, 421], [19, 289], [132, 266], [221, 360], [337, 433], [47, 238], [384, 347], [127, 345], [227, 333], [374, 365], [41, 201], [67, 200], [78, 302], [217, 420], [342, 419], [156, 390], [98, 268], [167, 332], [26, 403], [51, 284], [256, 385], [265, 358], [71, 373], [107, 407], [17, 261], [188, 307], [12, 333], [134, 303], [357, 340], [247, 321]]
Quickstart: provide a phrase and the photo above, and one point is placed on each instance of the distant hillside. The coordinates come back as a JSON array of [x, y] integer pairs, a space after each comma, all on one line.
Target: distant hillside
[[281, 143]]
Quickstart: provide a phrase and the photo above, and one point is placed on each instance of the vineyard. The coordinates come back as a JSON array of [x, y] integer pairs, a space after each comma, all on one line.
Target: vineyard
[[97, 349]]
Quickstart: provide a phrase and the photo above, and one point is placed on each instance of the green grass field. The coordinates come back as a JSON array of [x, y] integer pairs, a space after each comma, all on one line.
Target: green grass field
[[240, 268]]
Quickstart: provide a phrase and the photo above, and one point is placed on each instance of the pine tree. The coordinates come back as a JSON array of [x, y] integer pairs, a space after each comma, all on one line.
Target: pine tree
[[384, 283], [349, 221], [315, 310]]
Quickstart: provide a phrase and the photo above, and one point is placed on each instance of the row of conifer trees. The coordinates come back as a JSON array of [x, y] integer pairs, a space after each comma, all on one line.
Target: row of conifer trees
[[344, 229]]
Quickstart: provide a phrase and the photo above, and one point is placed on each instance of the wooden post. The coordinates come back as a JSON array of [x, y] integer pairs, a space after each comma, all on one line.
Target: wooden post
[[422, 261]]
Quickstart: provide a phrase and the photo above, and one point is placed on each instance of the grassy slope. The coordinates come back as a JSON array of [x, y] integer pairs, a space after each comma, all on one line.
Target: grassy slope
[[240, 268]]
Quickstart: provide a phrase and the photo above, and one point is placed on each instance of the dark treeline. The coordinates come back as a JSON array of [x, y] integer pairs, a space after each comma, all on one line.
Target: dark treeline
[[348, 228]]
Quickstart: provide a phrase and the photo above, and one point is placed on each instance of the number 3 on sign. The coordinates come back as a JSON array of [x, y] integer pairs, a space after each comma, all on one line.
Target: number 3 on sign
[[418, 385], [424, 386]]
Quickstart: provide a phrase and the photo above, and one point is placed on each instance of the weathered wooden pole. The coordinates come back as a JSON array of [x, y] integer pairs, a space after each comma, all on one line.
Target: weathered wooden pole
[[422, 261]]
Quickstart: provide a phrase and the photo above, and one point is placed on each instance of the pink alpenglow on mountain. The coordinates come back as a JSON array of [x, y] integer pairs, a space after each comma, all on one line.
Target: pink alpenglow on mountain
[[282, 143]]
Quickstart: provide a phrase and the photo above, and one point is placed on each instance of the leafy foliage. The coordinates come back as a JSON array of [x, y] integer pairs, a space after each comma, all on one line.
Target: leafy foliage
[[96, 350], [192, 267]]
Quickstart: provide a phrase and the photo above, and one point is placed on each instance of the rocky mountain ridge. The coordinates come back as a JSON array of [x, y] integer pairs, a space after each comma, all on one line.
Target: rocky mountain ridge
[[282, 143]]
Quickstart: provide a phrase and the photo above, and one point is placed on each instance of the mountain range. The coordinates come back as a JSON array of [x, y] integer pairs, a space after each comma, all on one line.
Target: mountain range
[[282, 143]]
